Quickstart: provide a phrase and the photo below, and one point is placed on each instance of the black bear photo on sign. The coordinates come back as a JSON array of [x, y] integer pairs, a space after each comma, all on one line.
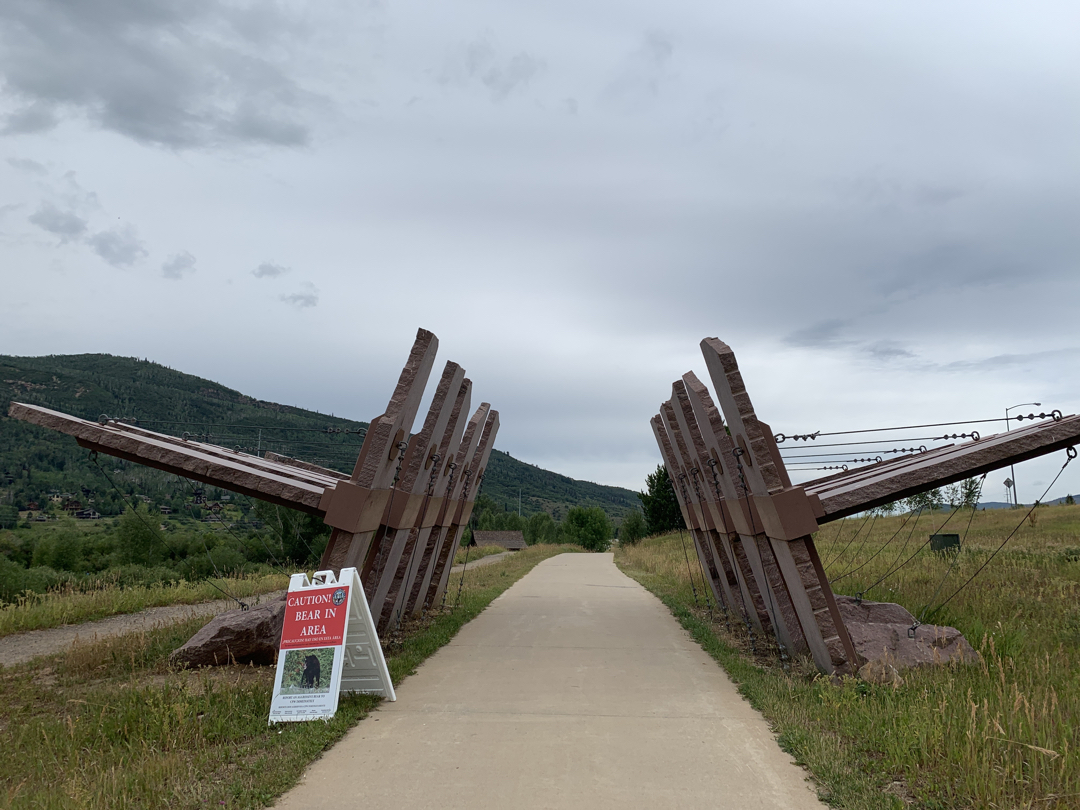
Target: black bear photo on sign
[[307, 671]]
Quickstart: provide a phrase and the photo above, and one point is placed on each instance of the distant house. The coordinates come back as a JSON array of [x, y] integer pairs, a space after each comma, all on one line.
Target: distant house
[[166, 510], [511, 541], [33, 506], [72, 505], [87, 514]]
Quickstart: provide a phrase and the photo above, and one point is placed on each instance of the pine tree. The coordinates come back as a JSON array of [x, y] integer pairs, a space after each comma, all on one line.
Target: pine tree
[[661, 507]]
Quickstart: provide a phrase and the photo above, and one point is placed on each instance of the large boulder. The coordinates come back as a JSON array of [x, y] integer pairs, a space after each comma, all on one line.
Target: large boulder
[[879, 631], [239, 636]]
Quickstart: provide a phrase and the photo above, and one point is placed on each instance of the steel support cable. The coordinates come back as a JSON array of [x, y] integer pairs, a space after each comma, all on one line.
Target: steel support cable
[[896, 534], [436, 463], [127, 420], [1070, 455], [401, 448], [705, 588], [472, 525], [914, 554], [839, 531], [738, 453], [878, 453], [734, 562], [157, 535], [227, 528], [833, 558], [281, 534], [276, 563], [781, 437], [682, 537], [956, 557], [882, 440], [234, 535], [205, 437], [452, 465]]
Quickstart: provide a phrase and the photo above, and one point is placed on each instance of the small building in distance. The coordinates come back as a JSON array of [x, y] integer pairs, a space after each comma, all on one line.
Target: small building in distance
[[511, 541]]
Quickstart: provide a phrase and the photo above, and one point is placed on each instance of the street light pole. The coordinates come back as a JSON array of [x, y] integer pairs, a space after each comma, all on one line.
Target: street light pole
[[1012, 468]]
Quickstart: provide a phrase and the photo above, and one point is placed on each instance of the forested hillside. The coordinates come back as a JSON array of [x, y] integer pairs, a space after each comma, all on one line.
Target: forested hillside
[[36, 463]]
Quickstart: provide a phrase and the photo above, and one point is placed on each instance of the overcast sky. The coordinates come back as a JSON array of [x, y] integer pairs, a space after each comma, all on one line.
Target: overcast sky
[[876, 204]]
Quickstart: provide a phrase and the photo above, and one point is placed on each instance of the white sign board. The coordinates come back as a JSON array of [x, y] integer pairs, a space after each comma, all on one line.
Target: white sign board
[[328, 646]]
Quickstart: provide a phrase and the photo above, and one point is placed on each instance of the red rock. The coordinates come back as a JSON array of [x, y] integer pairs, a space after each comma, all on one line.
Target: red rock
[[239, 636], [879, 631]]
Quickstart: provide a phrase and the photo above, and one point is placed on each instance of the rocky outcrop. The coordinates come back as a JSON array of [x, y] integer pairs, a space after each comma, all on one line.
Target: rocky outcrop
[[239, 636], [879, 631]]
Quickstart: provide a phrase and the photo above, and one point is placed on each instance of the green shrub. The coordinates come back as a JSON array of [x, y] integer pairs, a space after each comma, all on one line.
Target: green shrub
[[632, 528], [588, 527]]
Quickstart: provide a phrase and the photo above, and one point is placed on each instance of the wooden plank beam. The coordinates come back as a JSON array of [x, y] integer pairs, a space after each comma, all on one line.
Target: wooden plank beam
[[238, 472], [878, 484]]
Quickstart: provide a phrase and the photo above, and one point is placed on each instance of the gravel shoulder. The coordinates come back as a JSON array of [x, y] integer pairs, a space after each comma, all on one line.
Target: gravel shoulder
[[494, 558], [21, 647]]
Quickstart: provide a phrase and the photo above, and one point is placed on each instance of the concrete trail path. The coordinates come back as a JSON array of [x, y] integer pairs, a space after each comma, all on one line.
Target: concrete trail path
[[575, 689]]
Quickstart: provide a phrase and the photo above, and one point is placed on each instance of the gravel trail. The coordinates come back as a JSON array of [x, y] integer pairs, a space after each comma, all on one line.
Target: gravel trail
[[20, 647]]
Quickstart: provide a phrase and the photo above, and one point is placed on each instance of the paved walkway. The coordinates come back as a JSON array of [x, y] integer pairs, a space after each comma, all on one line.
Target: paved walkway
[[575, 689]]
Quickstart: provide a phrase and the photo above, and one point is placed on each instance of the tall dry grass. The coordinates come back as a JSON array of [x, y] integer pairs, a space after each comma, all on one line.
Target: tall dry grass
[[1003, 733], [67, 605]]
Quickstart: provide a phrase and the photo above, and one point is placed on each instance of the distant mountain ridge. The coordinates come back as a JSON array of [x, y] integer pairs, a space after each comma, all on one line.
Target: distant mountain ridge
[[170, 401]]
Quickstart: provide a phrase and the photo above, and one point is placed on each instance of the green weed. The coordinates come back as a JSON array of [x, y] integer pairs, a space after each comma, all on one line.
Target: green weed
[[1004, 733], [111, 725]]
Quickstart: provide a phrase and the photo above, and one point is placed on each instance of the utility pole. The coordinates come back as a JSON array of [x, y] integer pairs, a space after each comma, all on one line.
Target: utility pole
[[1012, 468]]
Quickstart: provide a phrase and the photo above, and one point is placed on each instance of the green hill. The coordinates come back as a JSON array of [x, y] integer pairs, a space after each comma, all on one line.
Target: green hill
[[36, 462]]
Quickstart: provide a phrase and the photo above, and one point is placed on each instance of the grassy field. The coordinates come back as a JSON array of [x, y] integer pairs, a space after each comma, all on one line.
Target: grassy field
[[111, 725], [476, 553], [1001, 734], [67, 605]]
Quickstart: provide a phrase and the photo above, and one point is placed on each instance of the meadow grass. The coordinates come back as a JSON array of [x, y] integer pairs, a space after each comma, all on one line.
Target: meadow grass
[[1003, 733], [476, 553], [68, 605], [110, 725]]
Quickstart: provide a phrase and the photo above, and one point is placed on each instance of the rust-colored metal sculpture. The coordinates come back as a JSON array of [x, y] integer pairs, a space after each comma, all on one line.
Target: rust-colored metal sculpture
[[398, 518], [752, 528]]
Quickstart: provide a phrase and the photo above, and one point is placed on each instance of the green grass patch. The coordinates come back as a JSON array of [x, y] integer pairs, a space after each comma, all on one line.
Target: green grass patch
[[67, 605], [111, 725], [476, 553], [1004, 733]]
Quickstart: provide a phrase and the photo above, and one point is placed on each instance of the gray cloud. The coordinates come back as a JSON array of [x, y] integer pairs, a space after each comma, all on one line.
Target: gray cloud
[[899, 199], [888, 350], [642, 74], [27, 165], [63, 224], [309, 297], [38, 116], [269, 270], [120, 246], [180, 75], [179, 264], [480, 62], [823, 334]]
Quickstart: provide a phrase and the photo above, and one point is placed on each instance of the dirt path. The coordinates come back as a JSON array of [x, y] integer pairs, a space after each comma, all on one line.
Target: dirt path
[[20, 647], [493, 558]]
